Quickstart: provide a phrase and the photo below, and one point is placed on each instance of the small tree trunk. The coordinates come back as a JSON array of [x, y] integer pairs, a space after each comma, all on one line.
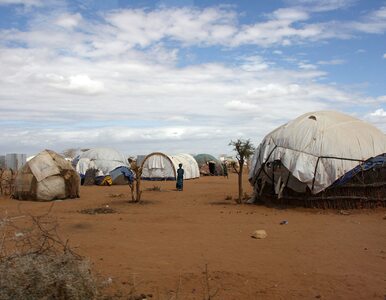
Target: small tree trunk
[[241, 167], [139, 192], [132, 187]]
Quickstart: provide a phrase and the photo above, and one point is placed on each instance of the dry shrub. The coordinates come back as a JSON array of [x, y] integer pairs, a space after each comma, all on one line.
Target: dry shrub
[[40, 276], [98, 210], [116, 195], [36, 264], [155, 188], [7, 182]]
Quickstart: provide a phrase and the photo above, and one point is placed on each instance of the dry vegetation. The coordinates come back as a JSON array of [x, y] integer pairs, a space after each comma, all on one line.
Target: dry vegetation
[[7, 181], [35, 263]]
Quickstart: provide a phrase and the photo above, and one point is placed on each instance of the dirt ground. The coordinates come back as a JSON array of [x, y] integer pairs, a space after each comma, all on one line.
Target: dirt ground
[[163, 246]]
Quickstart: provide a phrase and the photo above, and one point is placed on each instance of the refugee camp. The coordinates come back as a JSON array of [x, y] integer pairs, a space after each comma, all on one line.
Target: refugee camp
[[198, 150]]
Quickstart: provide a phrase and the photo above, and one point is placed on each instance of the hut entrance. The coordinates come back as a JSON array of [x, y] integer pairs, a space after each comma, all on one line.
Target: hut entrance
[[212, 167]]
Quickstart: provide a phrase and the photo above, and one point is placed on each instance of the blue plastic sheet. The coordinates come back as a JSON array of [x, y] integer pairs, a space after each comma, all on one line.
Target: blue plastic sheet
[[122, 170], [369, 164]]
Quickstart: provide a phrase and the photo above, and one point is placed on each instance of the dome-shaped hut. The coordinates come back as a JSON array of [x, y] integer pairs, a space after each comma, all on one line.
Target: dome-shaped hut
[[159, 166], [103, 159], [101, 163], [209, 165], [322, 159], [47, 176]]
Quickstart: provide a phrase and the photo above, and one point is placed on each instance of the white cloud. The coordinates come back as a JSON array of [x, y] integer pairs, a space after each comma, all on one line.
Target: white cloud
[[384, 55], [22, 2], [121, 30], [254, 64], [118, 82], [306, 66], [331, 62], [187, 25], [177, 119], [68, 20], [378, 113], [374, 22], [236, 105], [322, 6], [290, 14], [80, 83]]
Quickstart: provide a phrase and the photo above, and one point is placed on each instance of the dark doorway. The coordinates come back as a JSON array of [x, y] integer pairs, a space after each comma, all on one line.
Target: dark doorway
[[212, 168]]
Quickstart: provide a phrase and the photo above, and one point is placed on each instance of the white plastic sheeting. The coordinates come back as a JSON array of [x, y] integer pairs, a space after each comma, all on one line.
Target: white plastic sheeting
[[318, 148], [189, 164], [84, 164], [161, 166], [103, 159], [158, 166], [50, 188]]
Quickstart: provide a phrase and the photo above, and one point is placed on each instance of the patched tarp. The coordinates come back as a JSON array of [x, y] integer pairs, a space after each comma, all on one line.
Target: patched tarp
[[45, 177], [43, 166], [103, 159], [122, 175], [318, 148]]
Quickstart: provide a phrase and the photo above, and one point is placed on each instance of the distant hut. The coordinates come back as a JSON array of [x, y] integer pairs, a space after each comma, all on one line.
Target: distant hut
[[209, 165], [160, 166], [46, 177], [103, 166], [322, 159]]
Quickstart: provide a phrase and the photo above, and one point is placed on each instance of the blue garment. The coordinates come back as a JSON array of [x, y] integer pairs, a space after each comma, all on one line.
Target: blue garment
[[180, 179]]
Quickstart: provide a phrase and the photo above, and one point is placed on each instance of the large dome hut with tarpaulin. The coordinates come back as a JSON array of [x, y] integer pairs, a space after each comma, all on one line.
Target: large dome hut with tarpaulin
[[322, 159]]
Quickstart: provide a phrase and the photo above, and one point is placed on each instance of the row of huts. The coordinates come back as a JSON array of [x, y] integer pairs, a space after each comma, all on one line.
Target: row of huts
[[155, 166], [320, 159], [49, 176]]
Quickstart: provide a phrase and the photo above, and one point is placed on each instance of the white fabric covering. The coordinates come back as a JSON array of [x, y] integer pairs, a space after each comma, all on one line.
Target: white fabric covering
[[84, 164], [300, 143], [158, 165], [104, 159], [51, 187], [189, 164], [156, 162], [43, 166]]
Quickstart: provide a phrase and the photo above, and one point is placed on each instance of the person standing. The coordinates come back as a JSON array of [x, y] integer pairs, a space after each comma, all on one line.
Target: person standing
[[180, 178], [225, 169]]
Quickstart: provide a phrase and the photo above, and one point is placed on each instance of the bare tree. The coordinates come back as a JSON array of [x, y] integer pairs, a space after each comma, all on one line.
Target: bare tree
[[244, 150], [70, 152], [135, 185]]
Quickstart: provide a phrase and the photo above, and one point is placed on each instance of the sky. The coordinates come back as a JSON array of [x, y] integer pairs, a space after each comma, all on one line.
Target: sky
[[182, 76]]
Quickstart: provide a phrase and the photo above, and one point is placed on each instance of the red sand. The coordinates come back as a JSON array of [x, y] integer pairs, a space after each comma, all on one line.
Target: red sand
[[164, 244]]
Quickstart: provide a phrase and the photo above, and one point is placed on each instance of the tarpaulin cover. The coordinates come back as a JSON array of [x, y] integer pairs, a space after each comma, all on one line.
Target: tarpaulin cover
[[159, 166], [318, 148], [103, 159], [125, 171], [45, 177]]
